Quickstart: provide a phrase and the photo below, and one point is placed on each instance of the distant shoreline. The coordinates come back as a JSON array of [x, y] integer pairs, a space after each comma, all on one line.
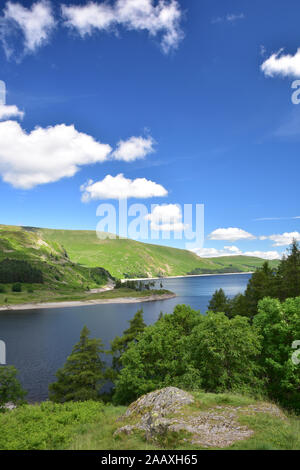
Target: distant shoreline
[[181, 277], [79, 303]]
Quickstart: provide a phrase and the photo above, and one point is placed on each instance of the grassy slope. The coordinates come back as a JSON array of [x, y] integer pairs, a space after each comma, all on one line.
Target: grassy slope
[[64, 280], [61, 275], [136, 259], [91, 425]]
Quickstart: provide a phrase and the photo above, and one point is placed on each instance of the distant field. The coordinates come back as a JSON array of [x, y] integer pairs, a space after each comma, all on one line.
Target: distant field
[[129, 258]]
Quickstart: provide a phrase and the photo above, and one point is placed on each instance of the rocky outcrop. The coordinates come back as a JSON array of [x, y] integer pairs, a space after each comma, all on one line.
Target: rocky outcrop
[[166, 411]]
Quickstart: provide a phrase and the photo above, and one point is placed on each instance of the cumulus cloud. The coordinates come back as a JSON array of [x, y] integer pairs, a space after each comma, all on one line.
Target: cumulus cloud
[[45, 155], [231, 234], [285, 65], [35, 25], [162, 18], [119, 187], [282, 239], [166, 218], [235, 251], [7, 112], [133, 149]]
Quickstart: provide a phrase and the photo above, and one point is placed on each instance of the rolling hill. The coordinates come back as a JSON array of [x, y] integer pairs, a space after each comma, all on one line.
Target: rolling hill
[[27, 256], [71, 256]]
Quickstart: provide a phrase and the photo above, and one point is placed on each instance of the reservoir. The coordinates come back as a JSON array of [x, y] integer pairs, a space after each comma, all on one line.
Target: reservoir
[[39, 341]]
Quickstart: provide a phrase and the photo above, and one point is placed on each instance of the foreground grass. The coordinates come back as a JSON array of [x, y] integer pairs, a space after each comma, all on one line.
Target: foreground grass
[[91, 425], [43, 295]]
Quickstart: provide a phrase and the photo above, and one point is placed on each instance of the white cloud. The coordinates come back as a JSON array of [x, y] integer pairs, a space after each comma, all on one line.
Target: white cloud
[[45, 155], [235, 251], [230, 17], [263, 254], [166, 218], [234, 17], [262, 50], [160, 18], [119, 187], [284, 65], [7, 112], [35, 23], [282, 239], [231, 234], [133, 149]]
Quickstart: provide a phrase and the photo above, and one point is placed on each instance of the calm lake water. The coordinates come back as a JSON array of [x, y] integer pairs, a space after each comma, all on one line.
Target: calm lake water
[[39, 341]]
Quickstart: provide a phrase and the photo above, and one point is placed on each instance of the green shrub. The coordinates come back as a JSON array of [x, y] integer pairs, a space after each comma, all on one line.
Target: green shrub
[[10, 388], [17, 287], [45, 426]]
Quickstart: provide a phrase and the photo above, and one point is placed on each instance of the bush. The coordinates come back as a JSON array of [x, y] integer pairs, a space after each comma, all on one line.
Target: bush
[[17, 287], [45, 426], [2, 289], [279, 326], [10, 388]]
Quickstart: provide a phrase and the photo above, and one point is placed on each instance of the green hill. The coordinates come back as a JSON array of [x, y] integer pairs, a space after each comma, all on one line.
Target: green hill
[[35, 269], [128, 258]]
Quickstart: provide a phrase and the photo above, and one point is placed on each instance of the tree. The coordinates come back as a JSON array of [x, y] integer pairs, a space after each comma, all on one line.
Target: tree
[[259, 286], [120, 344], [225, 352], [191, 351], [11, 390], [219, 302], [160, 357], [82, 376], [279, 326], [288, 274]]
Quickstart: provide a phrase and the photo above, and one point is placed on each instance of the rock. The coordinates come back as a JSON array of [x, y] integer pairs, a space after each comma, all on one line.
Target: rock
[[161, 412], [162, 402]]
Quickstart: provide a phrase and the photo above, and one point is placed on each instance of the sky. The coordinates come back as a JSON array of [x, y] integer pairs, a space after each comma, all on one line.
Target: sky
[[163, 102]]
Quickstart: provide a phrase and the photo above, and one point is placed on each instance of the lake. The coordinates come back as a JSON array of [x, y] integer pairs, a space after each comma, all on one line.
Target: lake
[[39, 341]]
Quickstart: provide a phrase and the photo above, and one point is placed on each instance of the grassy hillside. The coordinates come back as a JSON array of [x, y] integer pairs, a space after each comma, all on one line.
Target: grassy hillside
[[129, 258], [26, 250], [91, 426], [65, 255]]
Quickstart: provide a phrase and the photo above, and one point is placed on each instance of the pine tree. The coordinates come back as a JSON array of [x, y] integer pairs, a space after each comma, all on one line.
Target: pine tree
[[120, 344], [82, 376], [219, 302], [259, 286], [288, 275]]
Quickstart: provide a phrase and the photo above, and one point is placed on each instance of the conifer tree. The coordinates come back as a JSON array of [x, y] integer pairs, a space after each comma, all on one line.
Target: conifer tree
[[120, 344], [82, 376], [219, 302]]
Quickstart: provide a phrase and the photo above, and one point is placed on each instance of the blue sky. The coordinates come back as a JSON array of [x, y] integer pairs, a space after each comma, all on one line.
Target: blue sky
[[193, 97]]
